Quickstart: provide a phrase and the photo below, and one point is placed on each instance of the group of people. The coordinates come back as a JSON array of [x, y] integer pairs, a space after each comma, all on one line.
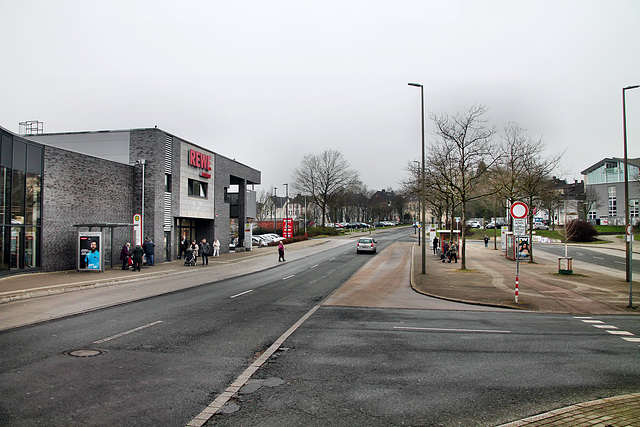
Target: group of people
[[203, 250], [448, 253], [135, 258]]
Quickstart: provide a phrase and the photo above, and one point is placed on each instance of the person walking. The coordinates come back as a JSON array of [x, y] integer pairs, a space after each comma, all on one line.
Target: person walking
[[125, 254], [148, 246], [281, 252], [435, 245], [184, 244], [216, 248], [486, 241], [138, 253], [205, 250]]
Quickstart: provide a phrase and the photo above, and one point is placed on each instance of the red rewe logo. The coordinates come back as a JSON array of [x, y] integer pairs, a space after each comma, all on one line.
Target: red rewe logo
[[199, 160]]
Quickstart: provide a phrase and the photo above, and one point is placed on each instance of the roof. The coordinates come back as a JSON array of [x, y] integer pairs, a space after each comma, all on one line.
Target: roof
[[635, 162]]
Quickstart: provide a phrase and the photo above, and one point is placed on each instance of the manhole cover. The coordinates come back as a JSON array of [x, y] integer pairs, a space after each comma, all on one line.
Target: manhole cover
[[83, 352]]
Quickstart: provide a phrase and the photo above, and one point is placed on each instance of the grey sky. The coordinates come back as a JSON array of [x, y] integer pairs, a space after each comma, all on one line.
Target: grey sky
[[266, 82]]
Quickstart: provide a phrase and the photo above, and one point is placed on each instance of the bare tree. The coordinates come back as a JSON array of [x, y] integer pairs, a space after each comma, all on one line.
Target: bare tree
[[466, 151], [590, 203], [264, 204], [324, 178]]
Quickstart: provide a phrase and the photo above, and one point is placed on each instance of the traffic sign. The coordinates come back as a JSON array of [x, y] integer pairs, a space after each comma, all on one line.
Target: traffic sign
[[519, 210], [519, 227], [629, 229]]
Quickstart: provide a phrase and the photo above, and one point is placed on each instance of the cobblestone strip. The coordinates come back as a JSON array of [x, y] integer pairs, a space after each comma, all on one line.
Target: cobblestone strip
[[616, 411]]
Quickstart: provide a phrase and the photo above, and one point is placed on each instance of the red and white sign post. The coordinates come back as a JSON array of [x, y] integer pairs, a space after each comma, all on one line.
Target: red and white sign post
[[287, 228], [519, 211]]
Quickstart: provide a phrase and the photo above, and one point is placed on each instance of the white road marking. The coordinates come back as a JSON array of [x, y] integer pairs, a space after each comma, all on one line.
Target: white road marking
[[288, 277], [598, 257], [619, 262], [451, 330], [127, 332], [331, 259], [606, 326], [593, 321], [620, 333], [240, 294], [313, 266], [582, 317], [224, 397], [631, 339]]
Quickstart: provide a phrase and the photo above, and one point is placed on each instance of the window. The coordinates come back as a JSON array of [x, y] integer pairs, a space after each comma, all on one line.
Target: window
[[613, 210], [592, 215], [197, 188], [167, 183], [634, 208]]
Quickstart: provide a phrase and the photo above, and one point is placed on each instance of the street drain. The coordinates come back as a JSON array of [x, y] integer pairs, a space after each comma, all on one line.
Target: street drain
[[83, 352]]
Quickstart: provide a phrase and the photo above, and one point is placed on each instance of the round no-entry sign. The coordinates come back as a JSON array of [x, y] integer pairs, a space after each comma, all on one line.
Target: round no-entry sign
[[519, 210]]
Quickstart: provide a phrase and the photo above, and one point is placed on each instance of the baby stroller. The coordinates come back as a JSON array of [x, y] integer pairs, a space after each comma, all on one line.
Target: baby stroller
[[189, 257]]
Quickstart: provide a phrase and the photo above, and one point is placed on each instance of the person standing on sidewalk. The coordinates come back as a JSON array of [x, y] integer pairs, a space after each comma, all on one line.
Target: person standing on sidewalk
[[453, 252], [205, 251], [486, 241], [281, 252], [184, 245], [125, 254], [148, 250], [435, 245], [216, 248], [138, 253]]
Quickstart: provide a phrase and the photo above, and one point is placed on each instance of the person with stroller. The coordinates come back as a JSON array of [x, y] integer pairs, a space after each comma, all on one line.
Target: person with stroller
[[138, 253], [445, 251]]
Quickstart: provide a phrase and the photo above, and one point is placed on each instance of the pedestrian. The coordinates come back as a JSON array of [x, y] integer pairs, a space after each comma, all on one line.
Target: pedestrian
[[486, 241], [148, 250], [184, 244], [281, 252], [453, 252], [138, 253], [445, 250], [125, 256], [205, 250], [194, 249], [435, 245], [216, 248]]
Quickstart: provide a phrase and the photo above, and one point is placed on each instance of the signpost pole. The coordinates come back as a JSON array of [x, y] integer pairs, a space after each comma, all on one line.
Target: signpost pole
[[519, 212]]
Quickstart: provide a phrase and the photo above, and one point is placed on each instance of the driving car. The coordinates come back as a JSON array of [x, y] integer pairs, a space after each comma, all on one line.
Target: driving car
[[474, 224], [494, 224], [366, 244], [540, 226]]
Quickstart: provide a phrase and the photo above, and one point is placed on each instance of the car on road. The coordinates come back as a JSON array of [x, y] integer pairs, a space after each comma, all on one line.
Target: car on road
[[474, 224], [540, 226], [366, 244]]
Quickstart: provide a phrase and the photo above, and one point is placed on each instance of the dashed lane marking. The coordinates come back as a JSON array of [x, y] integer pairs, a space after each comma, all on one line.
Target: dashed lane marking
[[288, 277], [127, 332], [240, 294], [451, 330]]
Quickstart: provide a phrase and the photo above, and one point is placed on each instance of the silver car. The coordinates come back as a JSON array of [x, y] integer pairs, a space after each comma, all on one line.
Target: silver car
[[366, 244]]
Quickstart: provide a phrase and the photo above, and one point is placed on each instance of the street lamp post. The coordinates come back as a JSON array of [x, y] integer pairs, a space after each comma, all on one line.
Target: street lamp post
[[286, 201], [422, 213], [275, 208], [419, 201], [142, 162], [627, 216]]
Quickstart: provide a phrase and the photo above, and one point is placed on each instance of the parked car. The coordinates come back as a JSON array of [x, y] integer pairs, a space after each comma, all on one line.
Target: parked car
[[540, 226], [474, 224], [258, 241], [366, 244], [494, 224]]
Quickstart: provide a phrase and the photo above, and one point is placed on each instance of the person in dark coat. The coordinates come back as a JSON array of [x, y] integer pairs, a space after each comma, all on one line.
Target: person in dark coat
[[148, 246], [184, 245], [435, 245], [138, 252], [124, 256]]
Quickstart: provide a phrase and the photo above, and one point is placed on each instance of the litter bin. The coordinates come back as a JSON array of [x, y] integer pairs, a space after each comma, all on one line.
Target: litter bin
[[565, 265]]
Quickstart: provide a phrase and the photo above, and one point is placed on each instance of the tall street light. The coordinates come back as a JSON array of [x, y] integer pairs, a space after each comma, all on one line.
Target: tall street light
[[275, 208], [419, 201], [422, 213], [627, 216]]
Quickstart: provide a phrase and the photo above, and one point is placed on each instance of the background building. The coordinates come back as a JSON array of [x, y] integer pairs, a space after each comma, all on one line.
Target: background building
[[604, 182]]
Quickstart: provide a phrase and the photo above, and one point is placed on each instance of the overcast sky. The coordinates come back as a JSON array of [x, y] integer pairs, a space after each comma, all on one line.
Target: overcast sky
[[266, 82]]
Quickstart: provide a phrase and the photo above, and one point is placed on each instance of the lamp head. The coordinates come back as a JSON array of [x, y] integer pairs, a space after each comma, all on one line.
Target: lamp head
[[415, 84], [631, 87]]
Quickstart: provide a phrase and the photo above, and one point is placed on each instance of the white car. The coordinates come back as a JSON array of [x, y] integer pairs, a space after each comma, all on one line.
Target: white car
[[540, 226], [474, 224]]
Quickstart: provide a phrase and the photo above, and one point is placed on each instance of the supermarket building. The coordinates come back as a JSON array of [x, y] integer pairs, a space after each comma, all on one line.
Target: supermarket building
[[57, 184]]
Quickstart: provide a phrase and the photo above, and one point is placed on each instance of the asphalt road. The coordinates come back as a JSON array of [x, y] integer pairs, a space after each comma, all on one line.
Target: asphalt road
[[604, 257], [162, 360]]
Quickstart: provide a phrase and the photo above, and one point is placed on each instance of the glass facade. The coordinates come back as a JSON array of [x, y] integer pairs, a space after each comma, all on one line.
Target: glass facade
[[21, 168], [613, 208]]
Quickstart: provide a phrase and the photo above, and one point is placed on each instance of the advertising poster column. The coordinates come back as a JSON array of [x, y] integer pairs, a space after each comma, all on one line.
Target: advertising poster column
[[247, 236], [287, 228], [89, 246]]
